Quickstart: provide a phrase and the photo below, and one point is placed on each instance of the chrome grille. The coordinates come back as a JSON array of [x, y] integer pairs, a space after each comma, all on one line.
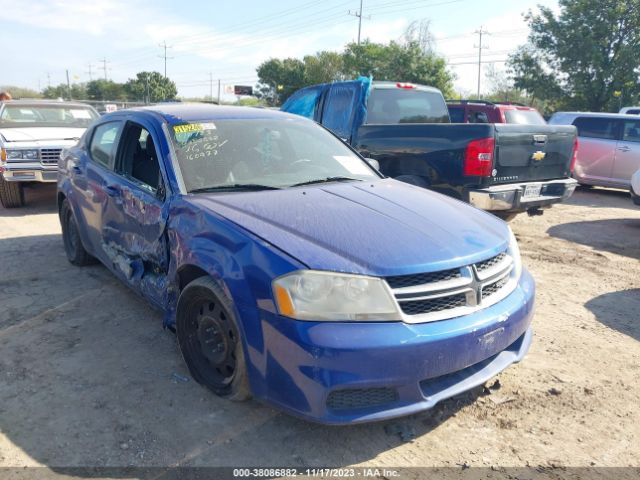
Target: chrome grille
[[449, 293], [422, 278], [492, 262], [50, 156]]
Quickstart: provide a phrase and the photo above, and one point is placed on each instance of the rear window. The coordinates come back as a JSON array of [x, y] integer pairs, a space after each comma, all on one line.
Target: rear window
[[593, 127], [456, 114], [524, 117], [400, 105], [633, 111]]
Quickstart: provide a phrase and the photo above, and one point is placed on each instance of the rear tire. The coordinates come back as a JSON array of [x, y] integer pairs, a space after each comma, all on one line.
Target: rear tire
[[11, 194], [76, 254], [210, 341]]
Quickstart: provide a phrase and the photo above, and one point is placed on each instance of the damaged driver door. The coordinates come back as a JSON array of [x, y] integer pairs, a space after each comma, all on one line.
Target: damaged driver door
[[134, 236]]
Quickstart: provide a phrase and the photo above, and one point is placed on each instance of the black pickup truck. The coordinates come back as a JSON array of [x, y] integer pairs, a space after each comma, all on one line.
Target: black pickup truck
[[503, 168]]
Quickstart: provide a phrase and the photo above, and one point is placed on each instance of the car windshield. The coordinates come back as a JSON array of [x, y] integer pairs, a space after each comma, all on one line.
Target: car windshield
[[524, 117], [262, 154], [20, 115]]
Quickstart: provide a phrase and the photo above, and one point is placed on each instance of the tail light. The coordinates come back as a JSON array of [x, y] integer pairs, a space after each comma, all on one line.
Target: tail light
[[478, 157], [574, 157], [405, 85]]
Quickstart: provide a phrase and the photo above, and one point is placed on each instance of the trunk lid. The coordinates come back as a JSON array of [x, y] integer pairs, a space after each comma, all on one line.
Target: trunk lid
[[532, 152]]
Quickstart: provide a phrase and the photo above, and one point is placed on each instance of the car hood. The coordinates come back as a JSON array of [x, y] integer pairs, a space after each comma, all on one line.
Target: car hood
[[35, 134], [380, 228]]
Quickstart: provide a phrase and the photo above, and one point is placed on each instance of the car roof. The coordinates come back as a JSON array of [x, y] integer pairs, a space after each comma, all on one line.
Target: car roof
[[178, 113], [44, 103], [620, 116], [384, 84]]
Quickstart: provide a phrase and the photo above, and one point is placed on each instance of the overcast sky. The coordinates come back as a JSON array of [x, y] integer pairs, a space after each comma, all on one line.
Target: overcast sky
[[227, 40]]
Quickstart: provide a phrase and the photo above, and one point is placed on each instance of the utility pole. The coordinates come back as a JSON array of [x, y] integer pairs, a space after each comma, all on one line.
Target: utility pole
[[359, 15], [90, 72], [480, 47], [218, 91], [48, 79], [104, 67], [68, 85], [211, 86], [165, 46]]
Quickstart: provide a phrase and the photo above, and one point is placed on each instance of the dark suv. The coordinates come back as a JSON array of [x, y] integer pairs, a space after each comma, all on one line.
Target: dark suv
[[481, 111]]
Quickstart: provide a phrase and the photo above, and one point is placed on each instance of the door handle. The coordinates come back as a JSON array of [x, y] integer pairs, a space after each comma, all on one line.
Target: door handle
[[112, 191]]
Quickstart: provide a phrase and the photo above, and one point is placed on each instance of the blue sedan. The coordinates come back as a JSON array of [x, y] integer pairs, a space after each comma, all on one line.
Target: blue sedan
[[290, 269]]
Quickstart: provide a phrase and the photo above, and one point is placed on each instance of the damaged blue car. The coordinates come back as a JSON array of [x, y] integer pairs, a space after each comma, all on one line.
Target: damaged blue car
[[291, 270]]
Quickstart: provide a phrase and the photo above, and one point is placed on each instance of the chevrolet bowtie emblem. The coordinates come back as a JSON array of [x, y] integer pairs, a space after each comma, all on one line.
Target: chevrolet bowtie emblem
[[539, 155]]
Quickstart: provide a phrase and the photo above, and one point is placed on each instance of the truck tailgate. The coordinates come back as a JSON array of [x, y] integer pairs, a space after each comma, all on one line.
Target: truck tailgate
[[532, 152]]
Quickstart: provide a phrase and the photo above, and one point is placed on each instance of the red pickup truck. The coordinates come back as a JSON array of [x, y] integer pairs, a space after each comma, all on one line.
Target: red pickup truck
[[481, 111]]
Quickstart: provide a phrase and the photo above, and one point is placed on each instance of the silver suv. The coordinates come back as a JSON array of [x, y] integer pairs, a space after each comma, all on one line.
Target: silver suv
[[32, 135], [609, 152]]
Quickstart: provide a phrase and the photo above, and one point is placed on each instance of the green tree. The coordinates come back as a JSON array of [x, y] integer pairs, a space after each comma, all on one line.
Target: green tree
[[278, 79], [408, 62], [78, 91], [323, 67], [105, 90], [581, 57], [20, 92], [150, 87]]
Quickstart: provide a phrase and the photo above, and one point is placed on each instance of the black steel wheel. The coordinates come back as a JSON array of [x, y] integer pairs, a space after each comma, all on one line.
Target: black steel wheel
[[73, 247], [209, 340]]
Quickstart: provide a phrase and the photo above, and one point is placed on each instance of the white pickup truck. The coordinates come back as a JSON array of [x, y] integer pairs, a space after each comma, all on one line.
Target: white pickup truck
[[32, 135]]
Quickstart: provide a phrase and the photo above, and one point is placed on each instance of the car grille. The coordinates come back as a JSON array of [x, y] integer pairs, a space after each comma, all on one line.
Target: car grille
[[353, 398], [50, 156], [449, 293]]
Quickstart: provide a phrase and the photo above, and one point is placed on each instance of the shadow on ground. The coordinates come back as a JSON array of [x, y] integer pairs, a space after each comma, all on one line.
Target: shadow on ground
[[612, 309], [619, 235], [599, 197], [89, 378]]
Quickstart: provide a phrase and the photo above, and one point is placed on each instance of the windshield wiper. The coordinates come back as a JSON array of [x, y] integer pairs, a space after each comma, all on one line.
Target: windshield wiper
[[236, 186], [327, 180]]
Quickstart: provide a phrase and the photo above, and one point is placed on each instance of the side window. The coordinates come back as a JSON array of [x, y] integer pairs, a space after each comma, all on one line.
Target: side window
[[631, 132], [303, 102], [138, 158], [593, 127], [456, 114], [339, 109], [103, 142], [477, 117]]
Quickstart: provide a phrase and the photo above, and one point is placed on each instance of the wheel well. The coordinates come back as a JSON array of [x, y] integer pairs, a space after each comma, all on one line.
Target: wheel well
[[188, 274]]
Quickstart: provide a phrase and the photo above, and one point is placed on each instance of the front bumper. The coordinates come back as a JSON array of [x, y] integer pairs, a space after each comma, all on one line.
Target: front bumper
[[510, 197], [340, 373], [29, 172]]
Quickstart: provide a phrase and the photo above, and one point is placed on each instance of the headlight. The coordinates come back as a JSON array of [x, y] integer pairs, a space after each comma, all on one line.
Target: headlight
[[328, 296], [514, 252], [22, 154]]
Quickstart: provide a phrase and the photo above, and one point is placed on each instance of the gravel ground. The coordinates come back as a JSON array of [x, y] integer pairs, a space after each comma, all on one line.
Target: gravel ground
[[89, 378]]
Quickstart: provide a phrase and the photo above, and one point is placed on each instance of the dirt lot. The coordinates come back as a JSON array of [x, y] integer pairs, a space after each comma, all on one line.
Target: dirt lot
[[89, 378]]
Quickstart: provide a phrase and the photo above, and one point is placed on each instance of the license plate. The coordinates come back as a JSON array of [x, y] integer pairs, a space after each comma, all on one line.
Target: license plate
[[532, 191]]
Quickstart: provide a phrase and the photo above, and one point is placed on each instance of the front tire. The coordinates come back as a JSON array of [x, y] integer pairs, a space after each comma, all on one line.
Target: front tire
[[209, 340], [76, 254], [11, 194]]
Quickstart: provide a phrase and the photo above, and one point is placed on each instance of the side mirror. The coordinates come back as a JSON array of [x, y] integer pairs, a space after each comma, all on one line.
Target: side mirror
[[373, 162]]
